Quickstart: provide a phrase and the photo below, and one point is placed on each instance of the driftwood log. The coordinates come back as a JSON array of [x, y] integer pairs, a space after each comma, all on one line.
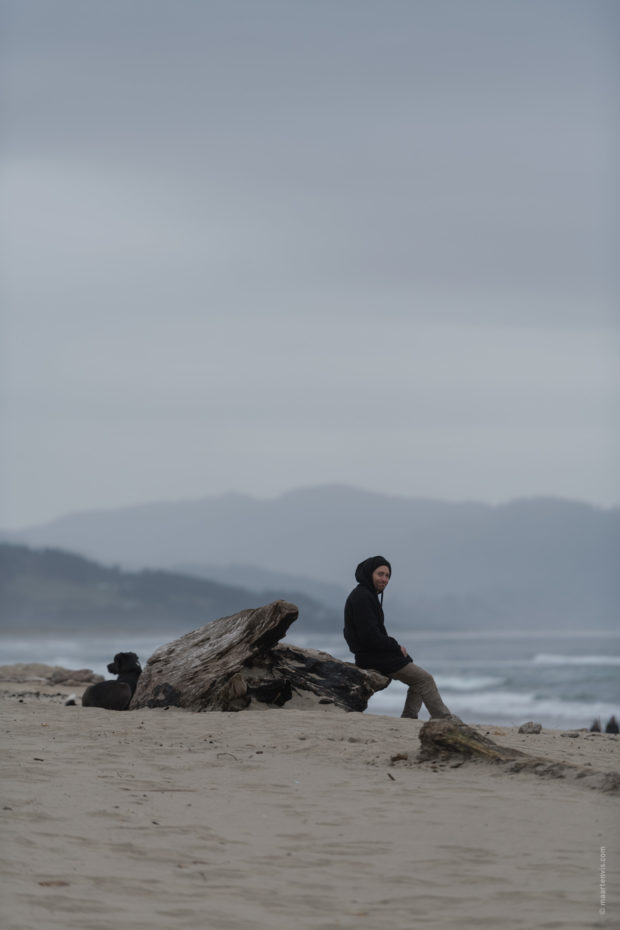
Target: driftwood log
[[450, 739], [236, 663], [48, 674]]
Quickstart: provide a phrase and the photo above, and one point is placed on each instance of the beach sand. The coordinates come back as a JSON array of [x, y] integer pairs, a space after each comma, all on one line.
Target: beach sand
[[289, 819]]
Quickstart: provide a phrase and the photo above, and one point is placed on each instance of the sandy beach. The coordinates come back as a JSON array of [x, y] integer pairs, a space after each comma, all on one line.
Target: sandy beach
[[287, 818]]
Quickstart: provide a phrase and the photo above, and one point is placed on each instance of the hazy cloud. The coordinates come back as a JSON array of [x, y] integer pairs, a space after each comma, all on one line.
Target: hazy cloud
[[255, 245]]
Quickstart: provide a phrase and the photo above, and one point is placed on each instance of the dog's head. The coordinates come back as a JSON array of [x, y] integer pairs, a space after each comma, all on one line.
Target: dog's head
[[124, 662]]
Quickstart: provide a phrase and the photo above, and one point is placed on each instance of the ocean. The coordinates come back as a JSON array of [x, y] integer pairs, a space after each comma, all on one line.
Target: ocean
[[564, 680]]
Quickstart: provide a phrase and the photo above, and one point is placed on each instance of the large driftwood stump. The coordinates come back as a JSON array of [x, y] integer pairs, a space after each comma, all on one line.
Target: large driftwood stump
[[235, 663], [447, 739]]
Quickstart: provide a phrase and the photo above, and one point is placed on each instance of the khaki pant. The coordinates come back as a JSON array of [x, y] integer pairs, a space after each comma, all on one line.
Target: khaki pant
[[422, 690]]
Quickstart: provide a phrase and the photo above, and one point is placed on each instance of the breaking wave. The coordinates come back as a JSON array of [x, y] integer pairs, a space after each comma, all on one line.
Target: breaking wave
[[467, 683], [546, 658]]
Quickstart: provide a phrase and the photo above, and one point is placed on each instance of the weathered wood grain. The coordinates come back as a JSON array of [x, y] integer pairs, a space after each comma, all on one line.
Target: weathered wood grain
[[236, 663]]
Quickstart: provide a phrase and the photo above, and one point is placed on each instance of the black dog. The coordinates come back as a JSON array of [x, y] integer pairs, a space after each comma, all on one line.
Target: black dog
[[115, 695]]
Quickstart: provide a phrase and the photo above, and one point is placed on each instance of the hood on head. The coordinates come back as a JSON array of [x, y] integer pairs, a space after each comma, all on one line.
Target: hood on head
[[363, 572]]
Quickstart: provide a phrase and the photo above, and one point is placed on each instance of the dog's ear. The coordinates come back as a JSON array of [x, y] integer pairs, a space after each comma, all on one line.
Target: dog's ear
[[129, 662], [125, 661]]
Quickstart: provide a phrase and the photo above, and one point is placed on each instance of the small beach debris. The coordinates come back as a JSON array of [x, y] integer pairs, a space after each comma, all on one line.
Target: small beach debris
[[530, 727]]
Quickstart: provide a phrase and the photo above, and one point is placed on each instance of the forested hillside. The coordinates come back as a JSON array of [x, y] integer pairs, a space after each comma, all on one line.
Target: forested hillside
[[56, 591]]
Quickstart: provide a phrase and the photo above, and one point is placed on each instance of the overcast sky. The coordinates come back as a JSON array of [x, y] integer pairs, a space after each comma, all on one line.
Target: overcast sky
[[254, 245]]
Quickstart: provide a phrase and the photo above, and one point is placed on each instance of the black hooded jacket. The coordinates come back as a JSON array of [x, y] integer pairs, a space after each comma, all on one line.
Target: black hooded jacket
[[364, 625]]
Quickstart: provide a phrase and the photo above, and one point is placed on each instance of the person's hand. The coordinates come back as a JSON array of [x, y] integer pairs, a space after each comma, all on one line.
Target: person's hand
[[403, 650]]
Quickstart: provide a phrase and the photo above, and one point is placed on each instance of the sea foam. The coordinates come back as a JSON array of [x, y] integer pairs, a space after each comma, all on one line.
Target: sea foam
[[545, 658]]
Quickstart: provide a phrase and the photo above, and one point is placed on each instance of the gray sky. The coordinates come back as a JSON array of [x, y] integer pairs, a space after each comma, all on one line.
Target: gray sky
[[259, 244]]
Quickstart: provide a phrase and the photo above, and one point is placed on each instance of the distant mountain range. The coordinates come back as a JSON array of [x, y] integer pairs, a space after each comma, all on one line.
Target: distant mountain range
[[529, 563]]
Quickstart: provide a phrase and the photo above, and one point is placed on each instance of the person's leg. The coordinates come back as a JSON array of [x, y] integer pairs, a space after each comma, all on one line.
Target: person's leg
[[422, 690]]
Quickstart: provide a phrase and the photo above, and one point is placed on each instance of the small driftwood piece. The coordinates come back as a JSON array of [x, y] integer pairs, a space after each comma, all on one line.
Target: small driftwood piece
[[447, 739], [48, 674], [235, 663]]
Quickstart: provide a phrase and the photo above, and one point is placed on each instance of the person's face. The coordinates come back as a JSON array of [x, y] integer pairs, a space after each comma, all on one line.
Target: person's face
[[380, 578]]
